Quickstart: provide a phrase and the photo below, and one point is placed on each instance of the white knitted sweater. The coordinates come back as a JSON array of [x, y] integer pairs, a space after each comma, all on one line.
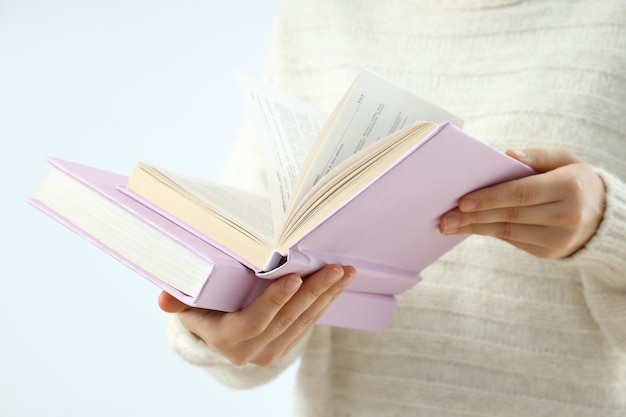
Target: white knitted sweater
[[491, 331]]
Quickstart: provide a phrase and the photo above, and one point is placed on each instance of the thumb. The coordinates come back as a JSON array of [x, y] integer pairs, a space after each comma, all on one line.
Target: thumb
[[170, 304], [544, 159]]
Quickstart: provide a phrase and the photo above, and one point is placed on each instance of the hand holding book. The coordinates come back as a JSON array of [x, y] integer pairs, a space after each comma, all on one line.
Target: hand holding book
[[269, 327], [550, 215]]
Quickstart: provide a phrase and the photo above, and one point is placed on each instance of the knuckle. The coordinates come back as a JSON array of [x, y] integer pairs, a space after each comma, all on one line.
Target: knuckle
[[220, 340], [315, 292], [573, 218], [327, 296], [267, 358], [470, 229], [511, 214], [306, 319], [505, 232], [251, 330], [338, 287], [522, 194], [245, 328], [335, 295], [275, 300], [283, 321], [571, 214], [573, 186]]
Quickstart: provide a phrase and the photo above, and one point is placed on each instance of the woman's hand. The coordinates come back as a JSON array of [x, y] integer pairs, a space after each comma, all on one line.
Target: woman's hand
[[273, 323], [551, 215]]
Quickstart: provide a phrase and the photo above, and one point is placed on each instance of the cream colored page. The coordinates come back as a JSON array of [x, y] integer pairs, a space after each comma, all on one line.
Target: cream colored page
[[373, 109], [350, 176], [253, 211], [287, 127]]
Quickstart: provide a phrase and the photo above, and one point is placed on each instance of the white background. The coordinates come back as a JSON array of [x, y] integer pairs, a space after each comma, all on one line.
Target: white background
[[106, 83]]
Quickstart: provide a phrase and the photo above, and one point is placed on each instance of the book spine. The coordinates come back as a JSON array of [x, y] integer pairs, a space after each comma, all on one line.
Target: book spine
[[374, 278]]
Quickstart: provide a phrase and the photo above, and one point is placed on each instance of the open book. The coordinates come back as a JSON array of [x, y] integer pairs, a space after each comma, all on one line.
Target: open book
[[365, 186], [377, 138]]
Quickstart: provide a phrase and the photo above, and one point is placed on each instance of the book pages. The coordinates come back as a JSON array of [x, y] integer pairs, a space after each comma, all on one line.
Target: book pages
[[287, 127], [373, 108], [252, 211]]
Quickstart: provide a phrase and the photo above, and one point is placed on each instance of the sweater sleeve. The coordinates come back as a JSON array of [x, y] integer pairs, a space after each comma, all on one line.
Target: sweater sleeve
[[602, 264], [196, 352]]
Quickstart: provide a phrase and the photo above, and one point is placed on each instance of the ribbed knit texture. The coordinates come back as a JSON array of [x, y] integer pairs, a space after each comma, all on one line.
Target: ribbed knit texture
[[491, 331]]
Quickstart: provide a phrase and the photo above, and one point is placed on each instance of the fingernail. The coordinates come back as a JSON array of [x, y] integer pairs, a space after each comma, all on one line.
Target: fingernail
[[292, 283], [520, 154], [468, 204], [450, 222], [334, 275], [449, 225]]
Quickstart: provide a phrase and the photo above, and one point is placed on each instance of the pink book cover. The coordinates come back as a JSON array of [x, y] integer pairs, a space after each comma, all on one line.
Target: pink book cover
[[228, 284], [390, 228]]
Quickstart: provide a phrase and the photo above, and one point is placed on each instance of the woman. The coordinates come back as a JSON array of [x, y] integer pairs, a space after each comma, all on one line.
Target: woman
[[526, 317]]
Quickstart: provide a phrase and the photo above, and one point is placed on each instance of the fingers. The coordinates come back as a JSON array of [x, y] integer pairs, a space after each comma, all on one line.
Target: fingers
[[273, 323], [299, 315], [544, 159], [225, 330], [256, 317], [289, 323], [317, 306], [169, 304], [551, 214], [523, 234], [529, 191], [555, 214]]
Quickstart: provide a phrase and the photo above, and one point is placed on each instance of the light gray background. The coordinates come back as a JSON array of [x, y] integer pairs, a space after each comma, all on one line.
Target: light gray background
[[106, 83]]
